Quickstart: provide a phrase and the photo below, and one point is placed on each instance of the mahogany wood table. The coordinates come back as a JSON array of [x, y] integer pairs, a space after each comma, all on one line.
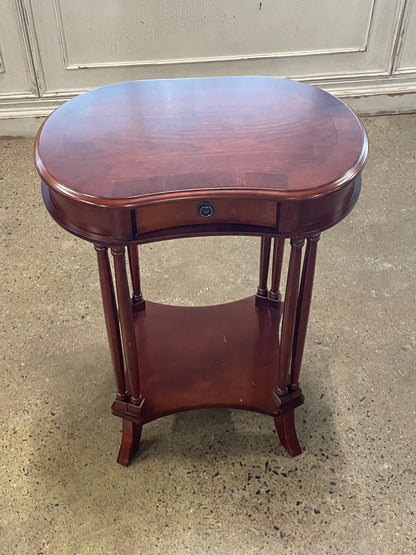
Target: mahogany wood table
[[144, 161]]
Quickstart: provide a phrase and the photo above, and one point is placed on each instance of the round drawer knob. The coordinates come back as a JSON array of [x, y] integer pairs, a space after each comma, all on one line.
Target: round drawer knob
[[205, 209]]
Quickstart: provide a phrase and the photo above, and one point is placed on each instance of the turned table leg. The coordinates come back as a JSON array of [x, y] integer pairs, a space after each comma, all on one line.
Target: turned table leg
[[295, 321], [264, 265], [303, 308], [111, 319], [278, 251], [133, 252], [126, 324], [287, 398], [131, 432], [289, 315]]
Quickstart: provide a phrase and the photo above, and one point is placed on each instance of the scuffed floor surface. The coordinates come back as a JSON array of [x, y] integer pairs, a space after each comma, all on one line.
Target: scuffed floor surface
[[213, 481]]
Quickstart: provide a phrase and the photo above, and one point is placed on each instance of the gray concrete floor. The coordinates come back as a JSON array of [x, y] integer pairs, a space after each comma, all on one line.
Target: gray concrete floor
[[213, 480]]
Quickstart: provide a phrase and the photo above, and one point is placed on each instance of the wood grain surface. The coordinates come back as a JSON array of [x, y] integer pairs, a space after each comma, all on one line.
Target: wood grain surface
[[261, 136]]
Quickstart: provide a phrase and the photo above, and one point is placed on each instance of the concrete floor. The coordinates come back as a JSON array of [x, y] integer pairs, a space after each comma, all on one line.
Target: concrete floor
[[212, 481]]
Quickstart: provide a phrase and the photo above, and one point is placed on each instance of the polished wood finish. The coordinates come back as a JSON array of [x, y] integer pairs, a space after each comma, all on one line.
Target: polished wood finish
[[146, 161], [264, 265], [285, 426], [133, 252], [303, 308], [111, 319], [269, 153], [126, 325], [289, 315], [131, 438], [278, 252], [213, 356], [165, 215], [261, 135]]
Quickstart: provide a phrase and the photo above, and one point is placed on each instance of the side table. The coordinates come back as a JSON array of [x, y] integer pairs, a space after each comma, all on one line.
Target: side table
[[144, 161]]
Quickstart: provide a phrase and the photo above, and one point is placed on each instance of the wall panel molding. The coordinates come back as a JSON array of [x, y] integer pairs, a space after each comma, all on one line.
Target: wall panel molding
[[406, 45], [33, 51], [68, 65], [52, 50], [17, 76]]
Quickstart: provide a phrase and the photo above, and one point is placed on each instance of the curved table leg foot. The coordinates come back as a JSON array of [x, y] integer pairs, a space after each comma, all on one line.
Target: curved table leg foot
[[129, 442], [285, 426]]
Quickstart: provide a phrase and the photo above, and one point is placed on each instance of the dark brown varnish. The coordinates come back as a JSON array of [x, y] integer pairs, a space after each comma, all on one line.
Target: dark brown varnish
[[145, 161]]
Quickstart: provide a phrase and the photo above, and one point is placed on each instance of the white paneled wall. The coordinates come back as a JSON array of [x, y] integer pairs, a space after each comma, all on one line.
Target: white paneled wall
[[361, 50]]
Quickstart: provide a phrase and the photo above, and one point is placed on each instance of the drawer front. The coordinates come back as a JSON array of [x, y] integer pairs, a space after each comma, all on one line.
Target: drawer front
[[190, 212]]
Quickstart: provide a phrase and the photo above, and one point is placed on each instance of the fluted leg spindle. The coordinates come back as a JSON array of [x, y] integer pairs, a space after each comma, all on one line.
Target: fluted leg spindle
[[289, 315], [278, 250], [133, 252], [111, 319], [264, 266], [303, 308], [126, 324]]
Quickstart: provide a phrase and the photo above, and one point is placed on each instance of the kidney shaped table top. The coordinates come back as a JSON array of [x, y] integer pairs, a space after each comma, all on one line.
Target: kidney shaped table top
[[257, 145]]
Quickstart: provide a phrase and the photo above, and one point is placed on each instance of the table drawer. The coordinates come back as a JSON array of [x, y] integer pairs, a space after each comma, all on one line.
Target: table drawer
[[190, 212]]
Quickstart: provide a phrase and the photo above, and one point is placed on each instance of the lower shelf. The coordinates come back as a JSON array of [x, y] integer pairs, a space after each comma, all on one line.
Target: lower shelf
[[215, 356]]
